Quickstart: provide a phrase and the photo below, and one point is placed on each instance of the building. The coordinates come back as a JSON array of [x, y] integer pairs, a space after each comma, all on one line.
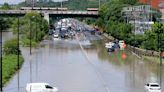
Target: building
[[154, 3], [140, 16], [31, 2], [162, 18]]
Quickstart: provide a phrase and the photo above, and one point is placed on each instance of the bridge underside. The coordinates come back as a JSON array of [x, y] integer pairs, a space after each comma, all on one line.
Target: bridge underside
[[53, 15], [12, 15], [57, 17], [72, 15]]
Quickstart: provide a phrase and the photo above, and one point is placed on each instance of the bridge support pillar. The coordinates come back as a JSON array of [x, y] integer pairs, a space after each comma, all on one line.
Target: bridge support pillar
[[46, 17]]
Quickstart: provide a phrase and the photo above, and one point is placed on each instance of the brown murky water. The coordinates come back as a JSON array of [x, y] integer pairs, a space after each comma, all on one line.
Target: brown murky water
[[63, 64]]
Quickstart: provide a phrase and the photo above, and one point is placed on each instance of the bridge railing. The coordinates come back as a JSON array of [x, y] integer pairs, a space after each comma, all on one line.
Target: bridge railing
[[49, 11]]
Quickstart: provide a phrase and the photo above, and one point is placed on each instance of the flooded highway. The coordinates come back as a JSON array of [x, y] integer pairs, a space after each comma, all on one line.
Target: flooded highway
[[64, 65], [7, 36], [82, 64]]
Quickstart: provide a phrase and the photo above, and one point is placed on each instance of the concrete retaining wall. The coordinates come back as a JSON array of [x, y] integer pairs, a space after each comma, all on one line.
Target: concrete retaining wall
[[138, 51], [144, 52]]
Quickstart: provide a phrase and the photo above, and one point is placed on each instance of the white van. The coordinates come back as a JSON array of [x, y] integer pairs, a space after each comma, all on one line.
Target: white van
[[121, 44], [40, 87]]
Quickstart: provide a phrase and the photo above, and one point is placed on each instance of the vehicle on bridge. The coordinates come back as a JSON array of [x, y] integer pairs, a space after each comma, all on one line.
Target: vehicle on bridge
[[92, 9]]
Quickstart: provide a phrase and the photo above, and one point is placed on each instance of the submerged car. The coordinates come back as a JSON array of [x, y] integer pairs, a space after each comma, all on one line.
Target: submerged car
[[152, 87], [55, 35], [121, 44], [40, 87], [109, 45]]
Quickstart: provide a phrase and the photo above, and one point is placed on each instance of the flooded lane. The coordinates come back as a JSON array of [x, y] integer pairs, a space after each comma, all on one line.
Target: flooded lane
[[124, 75], [6, 36], [64, 65]]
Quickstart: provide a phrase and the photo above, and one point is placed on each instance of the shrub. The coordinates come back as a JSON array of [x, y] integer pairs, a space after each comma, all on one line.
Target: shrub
[[11, 47]]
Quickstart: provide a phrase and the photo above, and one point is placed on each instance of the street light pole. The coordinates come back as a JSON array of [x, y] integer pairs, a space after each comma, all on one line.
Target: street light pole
[[31, 48], [30, 51], [1, 90], [36, 30], [18, 52], [32, 4], [30, 36], [160, 46], [159, 42], [61, 4], [99, 4]]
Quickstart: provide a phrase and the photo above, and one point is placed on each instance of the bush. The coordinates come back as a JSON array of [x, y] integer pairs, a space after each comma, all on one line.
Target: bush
[[11, 47], [26, 43]]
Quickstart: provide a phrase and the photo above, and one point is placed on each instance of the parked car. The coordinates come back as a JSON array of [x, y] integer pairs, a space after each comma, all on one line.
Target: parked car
[[152, 87], [40, 87]]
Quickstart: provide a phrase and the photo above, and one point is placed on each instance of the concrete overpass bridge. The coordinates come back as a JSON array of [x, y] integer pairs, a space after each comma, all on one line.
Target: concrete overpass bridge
[[50, 13]]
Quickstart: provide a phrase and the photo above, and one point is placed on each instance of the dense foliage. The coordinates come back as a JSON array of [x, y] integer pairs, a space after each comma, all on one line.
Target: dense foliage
[[4, 23], [5, 6], [34, 23], [11, 47], [112, 22], [154, 39]]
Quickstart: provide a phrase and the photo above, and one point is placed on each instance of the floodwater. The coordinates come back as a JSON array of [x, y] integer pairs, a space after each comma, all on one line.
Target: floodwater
[[74, 68], [6, 36]]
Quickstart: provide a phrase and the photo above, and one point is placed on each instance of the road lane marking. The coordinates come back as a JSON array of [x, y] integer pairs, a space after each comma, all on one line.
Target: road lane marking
[[89, 61]]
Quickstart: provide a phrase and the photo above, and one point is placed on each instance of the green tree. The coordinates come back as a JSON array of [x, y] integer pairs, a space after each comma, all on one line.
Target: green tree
[[150, 40], [130, 2], [34, 22], [158, 29], [6, 6], [154, 39], [5, 23]]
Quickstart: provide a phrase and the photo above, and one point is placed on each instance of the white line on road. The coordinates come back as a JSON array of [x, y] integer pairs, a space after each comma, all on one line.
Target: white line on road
[[89, 61]]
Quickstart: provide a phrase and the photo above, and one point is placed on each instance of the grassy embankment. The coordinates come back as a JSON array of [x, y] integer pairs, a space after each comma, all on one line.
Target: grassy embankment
[[9, 66]]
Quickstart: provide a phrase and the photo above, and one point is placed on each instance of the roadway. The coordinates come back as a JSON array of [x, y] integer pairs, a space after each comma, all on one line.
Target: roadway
[[74, 67]]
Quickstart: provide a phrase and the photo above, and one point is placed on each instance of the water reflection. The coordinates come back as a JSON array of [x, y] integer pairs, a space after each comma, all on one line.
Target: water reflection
[[7, 36], [63, 64], [136, 71]]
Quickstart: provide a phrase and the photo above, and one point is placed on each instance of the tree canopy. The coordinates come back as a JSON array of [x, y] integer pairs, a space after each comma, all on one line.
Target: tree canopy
[[6, 6]]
